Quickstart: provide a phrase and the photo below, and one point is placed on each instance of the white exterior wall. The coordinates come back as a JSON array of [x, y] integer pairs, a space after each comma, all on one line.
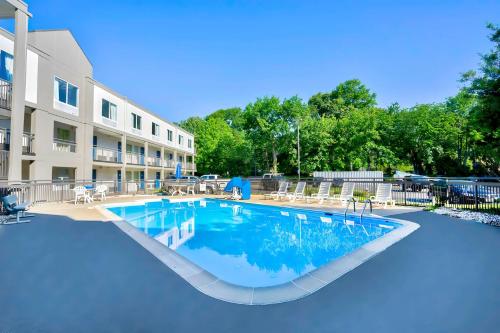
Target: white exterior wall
[[124, 121], [7, 45]]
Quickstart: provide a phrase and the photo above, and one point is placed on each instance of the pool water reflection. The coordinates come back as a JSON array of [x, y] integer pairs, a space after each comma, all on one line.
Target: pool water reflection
[[252, 245]]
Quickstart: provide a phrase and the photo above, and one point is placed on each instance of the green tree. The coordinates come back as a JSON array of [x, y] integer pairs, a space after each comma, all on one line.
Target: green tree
[[348, 95], [485, 115]]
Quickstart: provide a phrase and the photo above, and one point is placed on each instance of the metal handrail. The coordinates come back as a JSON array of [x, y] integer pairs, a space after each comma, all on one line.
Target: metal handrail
[[353, 200], [364, 207]]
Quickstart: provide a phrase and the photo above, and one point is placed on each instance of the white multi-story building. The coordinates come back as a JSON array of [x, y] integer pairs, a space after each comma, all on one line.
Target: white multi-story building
[[56, 121]]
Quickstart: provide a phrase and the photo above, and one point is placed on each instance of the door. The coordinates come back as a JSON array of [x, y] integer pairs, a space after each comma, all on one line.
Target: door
[[94, 147], [157, 179], [119, 180], [94, 175], [141, 157], [141, 178], [119, 155]]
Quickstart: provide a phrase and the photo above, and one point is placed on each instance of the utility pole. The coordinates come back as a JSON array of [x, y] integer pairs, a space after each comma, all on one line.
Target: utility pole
[[298, 147]]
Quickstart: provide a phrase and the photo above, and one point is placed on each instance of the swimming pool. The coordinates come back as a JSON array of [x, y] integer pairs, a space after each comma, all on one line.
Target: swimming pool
[[252, 245]]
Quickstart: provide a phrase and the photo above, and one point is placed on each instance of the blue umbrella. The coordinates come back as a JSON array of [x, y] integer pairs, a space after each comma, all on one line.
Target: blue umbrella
[[178, 171], [235, 182]]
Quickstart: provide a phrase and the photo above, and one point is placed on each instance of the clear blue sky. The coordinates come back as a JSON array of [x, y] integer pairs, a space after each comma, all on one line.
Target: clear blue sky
[[185, 58]]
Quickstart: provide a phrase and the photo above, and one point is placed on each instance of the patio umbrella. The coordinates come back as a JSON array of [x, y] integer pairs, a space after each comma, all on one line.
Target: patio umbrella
[[178, 171]]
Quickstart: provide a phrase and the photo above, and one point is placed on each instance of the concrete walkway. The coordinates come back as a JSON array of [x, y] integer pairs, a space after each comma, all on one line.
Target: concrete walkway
[[59, 275]]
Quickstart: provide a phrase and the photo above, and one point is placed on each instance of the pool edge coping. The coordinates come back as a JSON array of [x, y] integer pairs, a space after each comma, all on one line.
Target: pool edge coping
[[300, 287]]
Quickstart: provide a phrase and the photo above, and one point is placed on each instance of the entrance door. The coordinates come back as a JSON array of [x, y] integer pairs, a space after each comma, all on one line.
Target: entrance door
[[94, 147], [141, 178], [157, 179], [119, 156], [119, 180]]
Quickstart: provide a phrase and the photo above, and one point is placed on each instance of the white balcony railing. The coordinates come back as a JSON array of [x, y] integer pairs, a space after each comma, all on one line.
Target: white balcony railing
[[133, 158], [106, 154], [154, 161], [27, 141], [169, 164], [64, 145]]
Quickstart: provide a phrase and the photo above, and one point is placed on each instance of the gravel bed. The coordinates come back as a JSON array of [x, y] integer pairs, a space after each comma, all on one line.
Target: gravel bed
[[491, 219]]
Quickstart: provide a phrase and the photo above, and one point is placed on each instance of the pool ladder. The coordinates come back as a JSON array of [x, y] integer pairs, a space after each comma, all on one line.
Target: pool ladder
[[353, 200], [367, 201]]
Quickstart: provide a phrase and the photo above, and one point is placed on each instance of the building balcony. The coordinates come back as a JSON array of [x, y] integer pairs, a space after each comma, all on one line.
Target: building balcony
[[154, 162], [170, 164], [103, 154], [133, 158], [190, 166], [5, 94], [64, 145], [27, 141]]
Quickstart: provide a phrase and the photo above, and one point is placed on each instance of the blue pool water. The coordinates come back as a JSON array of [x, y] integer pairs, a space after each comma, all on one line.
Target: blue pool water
[[252, 245]]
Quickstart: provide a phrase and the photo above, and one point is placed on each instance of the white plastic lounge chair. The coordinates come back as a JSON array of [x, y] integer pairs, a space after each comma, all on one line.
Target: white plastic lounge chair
[[298, 193], [100, 191], [383, 195], [323, 192], [81, 193], [281, 193], [346, 194]]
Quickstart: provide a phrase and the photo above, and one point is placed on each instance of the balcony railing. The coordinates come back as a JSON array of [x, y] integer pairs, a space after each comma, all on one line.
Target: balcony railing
[[64, 145], [27, 141], [106, 154], [190, 166], [170, 164], [4, 164], [154, 161], [133, 158], [5, 94]]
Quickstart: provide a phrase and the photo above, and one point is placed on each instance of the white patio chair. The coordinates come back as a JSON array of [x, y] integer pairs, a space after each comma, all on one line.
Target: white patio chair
[[346, 194], [190, 189], [383, 195], [298, 193], [323, 192], [280, 193], [81, 193], [100, 191]]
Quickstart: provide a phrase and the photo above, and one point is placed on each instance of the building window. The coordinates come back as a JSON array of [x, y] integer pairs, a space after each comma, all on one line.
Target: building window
[[65, 92], [190, 143], [155, 129], [136, 121], [108, 110], [181, 140], [6, 66], [169, 135]]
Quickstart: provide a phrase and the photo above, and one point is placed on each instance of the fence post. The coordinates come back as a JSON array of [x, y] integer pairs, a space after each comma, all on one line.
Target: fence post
[[404, 191], [475, 198]]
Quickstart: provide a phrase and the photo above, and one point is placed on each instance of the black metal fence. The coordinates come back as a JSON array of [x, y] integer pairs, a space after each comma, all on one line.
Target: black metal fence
[[479, 195], [476, 195]]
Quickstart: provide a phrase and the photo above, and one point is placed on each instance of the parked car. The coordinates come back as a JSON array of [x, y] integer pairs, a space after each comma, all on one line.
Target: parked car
[[270, 181], [272, 176], [417, 183], [209, 177], [191, 178]]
